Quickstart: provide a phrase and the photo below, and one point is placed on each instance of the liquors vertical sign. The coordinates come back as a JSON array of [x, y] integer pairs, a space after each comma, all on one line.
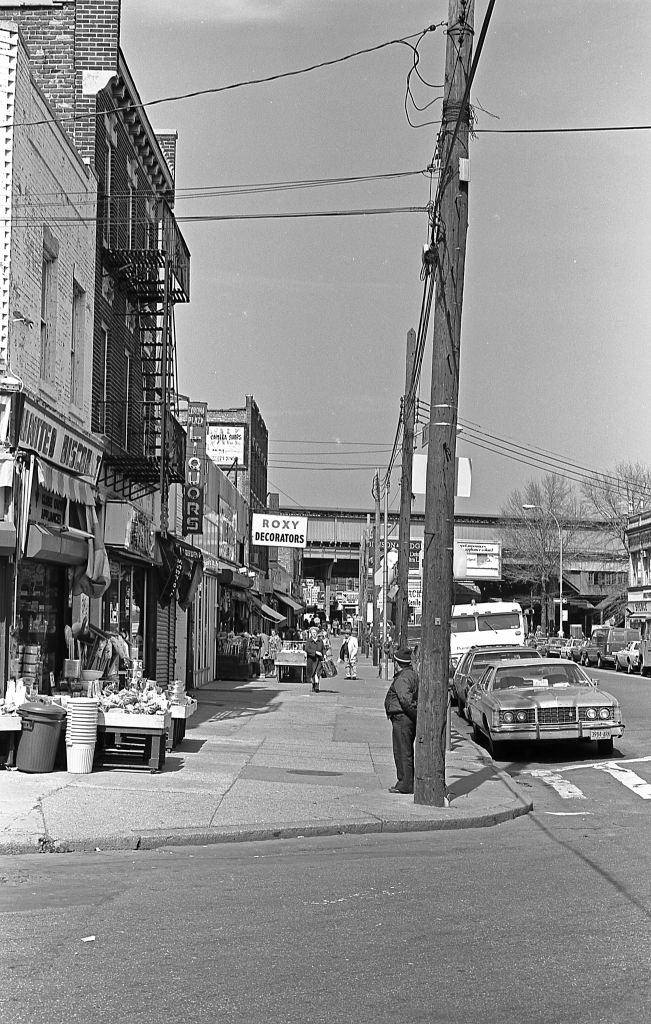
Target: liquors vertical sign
[[195, 468]]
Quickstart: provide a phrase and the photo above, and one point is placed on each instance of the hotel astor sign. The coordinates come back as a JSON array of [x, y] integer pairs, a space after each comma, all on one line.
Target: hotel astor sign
[[195, 470]]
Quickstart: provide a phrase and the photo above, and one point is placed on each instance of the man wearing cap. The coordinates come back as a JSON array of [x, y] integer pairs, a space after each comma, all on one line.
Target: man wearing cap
[[401, 705]]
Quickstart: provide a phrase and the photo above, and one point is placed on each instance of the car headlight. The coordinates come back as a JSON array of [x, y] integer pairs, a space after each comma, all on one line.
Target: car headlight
[[591, 713], [508, 717], [521, 716], [605, 712]]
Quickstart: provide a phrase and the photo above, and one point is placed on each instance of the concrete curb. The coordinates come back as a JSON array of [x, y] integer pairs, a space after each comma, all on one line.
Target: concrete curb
[[153, 840]]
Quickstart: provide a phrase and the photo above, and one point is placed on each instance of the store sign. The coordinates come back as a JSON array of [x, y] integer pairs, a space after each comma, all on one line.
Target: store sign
[[195, 466], [47, 435], [415, 553], [482, 561], [127, 526], [227, 531], [269, 530], [225, 444]]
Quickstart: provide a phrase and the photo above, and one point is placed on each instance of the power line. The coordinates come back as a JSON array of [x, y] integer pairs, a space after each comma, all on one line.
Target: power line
[[214, 90], [214, 218]]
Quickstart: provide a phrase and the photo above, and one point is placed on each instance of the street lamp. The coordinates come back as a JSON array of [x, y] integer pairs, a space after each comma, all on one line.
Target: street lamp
[[549, 512]]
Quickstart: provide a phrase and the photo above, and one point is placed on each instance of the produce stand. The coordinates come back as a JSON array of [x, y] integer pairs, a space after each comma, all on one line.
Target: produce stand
[[291, 658], [180, 714], [12, 725], [154, 729]]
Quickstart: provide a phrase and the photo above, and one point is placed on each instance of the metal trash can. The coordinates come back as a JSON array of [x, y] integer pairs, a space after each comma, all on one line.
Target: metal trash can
[[39, 738]]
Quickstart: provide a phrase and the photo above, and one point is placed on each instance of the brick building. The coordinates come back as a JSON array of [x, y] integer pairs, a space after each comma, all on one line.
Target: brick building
[[48, 454], [141, 271]]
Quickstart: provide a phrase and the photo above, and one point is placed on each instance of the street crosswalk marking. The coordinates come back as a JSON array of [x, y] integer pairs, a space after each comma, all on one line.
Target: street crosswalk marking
[[628, 778], [568, 791], [562, 786]]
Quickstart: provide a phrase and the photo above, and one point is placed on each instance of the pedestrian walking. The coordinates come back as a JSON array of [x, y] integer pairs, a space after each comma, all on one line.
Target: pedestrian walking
[[315, 652], [274, 649], [401, 705], [350, 649]]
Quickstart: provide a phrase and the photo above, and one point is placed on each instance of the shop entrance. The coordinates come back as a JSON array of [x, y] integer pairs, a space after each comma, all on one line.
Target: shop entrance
[[124, 603], [42, 609]]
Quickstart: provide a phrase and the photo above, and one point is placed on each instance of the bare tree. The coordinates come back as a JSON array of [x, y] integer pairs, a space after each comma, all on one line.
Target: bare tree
[[531, 538], [616, 494]]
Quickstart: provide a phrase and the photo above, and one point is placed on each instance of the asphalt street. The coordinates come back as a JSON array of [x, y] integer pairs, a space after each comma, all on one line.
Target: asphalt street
[[535, 920]]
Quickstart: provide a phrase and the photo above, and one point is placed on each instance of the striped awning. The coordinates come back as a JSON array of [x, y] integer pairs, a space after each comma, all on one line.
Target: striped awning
[[64, 484]]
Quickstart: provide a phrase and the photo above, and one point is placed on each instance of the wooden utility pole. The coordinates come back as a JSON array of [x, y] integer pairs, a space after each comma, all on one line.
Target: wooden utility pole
[[449, 241], [376, 565], [404, 525]]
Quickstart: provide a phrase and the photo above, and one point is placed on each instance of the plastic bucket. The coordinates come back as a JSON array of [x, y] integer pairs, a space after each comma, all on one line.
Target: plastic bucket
[[79, 758]]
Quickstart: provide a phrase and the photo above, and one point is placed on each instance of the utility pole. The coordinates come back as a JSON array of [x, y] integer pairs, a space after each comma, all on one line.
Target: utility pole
[[376, 565], [449, 242], [384, 672], [404, 525]]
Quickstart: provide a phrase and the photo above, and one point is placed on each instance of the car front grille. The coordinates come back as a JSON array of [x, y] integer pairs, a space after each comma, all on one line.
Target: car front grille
[[556, 716]]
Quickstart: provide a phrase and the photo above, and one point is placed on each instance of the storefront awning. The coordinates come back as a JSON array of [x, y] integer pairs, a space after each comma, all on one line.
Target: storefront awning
[[60, 545], [232, 578], [180, 571], [65, 485], [296, 606], [266, 612]]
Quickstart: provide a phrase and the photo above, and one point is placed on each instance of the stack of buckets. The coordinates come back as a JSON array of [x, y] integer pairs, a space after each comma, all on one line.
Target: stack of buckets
[[81, 734]]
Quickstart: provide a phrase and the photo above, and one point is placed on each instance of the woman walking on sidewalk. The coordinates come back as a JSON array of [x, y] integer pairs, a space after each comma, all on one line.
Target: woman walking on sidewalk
[[315, 652]]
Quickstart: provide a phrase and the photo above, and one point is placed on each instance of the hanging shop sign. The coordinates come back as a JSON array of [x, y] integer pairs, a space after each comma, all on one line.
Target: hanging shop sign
[[195, 469], [227, 531], [44, 433], [278, 531], [180, 571], [226, 444], [127, 526]]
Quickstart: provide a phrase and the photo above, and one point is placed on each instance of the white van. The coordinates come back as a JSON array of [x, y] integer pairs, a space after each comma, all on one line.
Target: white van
[[477, 625]]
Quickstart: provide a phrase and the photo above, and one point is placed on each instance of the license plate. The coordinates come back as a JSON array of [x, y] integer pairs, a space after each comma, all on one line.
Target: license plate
[[601, 734]]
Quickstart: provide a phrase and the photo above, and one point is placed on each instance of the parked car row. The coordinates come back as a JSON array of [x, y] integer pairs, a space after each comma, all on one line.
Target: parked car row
[[510, 693]]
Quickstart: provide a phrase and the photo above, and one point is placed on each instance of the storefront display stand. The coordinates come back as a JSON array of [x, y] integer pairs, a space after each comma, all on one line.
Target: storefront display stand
[[13, 725], [180, 714], [154, 728]]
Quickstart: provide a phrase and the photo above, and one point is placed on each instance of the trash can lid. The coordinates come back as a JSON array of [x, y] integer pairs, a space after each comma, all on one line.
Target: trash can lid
[[34, 709]]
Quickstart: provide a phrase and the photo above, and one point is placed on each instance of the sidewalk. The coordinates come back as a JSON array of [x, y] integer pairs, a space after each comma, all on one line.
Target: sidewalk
[[260, 760]]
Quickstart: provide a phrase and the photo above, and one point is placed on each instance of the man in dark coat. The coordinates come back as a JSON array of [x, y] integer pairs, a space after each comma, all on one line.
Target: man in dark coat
[[401, 704], [315, 651]]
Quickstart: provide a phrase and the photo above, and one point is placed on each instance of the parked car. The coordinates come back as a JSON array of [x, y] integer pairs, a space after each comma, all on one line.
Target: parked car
[[474, 663], [571, 648], [604, 643], [554, 645], [628, 657], [541, 699]]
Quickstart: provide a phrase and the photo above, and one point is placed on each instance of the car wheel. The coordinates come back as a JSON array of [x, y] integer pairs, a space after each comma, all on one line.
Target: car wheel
[[495, 748], [605, 746], [598, 661], [616, 664]]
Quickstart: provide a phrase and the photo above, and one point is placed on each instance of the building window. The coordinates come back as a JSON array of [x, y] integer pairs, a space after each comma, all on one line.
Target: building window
[[77, 343], [104, 429], [127, 398], [48, 305]]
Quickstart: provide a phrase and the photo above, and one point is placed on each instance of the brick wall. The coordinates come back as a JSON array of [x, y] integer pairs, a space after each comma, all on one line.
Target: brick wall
[[54, 195], [167, 142], [65, 43]]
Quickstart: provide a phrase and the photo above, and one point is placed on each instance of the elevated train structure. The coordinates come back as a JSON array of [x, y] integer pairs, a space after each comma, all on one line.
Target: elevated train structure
[[340, 545]]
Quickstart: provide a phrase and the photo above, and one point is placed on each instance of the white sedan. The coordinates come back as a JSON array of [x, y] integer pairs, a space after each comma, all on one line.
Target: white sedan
[[628, 657]]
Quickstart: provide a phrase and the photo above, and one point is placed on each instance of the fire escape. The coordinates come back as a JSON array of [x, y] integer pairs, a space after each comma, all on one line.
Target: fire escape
[[146, 255]]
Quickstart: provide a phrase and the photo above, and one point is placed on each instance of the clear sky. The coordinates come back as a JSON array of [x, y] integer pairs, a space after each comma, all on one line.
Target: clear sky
[[310, 315]]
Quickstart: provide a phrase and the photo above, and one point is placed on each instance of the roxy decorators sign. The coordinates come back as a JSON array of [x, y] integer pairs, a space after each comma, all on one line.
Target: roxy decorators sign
[[268, 530]]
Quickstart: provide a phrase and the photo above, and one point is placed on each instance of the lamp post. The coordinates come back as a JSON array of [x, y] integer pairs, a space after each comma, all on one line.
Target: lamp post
[[549, 512]]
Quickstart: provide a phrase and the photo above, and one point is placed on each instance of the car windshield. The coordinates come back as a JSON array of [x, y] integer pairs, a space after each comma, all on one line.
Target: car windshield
[[462, 624], [481, 661], [502, 620], [538, 676]]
